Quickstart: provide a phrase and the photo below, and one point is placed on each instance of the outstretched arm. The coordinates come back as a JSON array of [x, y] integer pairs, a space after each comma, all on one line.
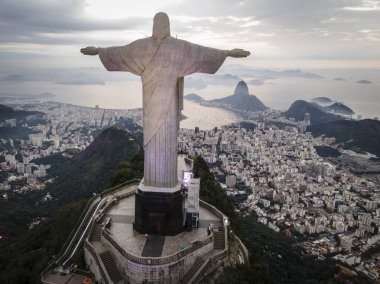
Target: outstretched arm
[[237, 52], [90, 50]]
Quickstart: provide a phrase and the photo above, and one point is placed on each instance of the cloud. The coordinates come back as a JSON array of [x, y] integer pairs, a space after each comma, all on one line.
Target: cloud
[[70, 76], [256, 82], [290, 29], [55, 21], [81, 82], [265, 74]]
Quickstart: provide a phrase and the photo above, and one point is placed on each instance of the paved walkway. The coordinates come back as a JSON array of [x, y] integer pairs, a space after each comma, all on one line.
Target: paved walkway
[[153, 246], [59, 278], [122, 216]]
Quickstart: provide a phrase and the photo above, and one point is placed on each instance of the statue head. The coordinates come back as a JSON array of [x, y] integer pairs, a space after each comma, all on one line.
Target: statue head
[[161, 25]]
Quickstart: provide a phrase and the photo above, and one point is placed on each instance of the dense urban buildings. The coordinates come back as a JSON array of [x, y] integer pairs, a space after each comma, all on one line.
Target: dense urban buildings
[[269, 164]]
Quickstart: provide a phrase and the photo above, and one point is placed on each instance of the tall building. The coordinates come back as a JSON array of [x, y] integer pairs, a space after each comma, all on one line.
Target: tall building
[[230, 180], [346, 243], [307, 118]]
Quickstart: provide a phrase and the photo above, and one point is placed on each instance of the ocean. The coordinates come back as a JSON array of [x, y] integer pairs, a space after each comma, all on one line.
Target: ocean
[[363, 98]]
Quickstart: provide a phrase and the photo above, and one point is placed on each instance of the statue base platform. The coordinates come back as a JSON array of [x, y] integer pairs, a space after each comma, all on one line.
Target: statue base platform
[[159, 211]]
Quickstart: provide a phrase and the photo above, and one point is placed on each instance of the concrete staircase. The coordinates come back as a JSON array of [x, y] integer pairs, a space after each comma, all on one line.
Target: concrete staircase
[[219, 241], [198, 263], [95, 236], [110, 266]]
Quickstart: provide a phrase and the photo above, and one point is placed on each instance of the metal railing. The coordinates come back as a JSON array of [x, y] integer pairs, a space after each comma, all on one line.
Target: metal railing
[[81, 232], [79, 224]]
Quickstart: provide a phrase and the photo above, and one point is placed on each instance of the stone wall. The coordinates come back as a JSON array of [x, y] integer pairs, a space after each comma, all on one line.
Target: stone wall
[[163, 270], [94, 264]]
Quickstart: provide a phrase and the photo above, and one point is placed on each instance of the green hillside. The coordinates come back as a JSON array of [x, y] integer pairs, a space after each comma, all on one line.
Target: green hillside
[[24, 252]]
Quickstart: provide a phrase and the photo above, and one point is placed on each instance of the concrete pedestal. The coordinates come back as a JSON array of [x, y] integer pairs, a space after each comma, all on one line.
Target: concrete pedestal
[[159, 211]]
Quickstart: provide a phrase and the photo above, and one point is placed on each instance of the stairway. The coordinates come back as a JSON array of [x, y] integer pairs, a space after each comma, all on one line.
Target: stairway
[[198, 263], [95, 235], [219, 241], [70, 251], [110, 266]]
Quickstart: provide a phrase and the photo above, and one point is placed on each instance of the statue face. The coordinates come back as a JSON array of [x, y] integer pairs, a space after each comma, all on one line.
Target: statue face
[[161, 25]]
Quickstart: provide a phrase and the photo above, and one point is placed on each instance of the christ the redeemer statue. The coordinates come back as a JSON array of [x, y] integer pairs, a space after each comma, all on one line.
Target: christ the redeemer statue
[[162, 61]]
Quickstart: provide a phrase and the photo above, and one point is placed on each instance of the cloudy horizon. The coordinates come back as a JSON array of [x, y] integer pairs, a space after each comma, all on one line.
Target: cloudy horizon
[[40, 42], [344, 30]]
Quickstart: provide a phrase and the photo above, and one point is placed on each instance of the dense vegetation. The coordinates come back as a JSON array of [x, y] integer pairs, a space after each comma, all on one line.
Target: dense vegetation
[[9, 113], [133, 169], [213, 194], [326, 151], [247, 125], [15, 132], [363, 134], [90, 171], [25, 252], [25, 256]]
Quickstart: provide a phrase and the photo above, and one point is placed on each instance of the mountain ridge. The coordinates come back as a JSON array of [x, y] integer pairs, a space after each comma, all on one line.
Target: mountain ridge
[[363, 134], [317, 116], [241, 99], [9, 113]]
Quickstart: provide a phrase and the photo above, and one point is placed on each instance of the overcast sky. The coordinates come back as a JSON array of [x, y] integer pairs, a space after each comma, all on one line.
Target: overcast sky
[[49, 33]]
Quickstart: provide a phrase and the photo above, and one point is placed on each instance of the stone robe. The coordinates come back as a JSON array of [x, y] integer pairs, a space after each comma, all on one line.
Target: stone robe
[[161, 64]]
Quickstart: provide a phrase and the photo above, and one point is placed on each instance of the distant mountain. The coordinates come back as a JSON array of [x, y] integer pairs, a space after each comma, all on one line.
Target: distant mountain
[[243, 71], [18, 132], [322, 100], [198, 83], [194, 98], [364, 82], [298, 109], [241, 100], [5, 109], [14, 78], [241, 89], [291, 73], [223, 79], [81, 82], [340, 109], [363, 134], [9, 113], [256, 82]]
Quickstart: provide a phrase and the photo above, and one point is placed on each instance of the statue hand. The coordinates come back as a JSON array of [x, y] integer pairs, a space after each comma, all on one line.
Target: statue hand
[[90, 50], [237, 52]]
